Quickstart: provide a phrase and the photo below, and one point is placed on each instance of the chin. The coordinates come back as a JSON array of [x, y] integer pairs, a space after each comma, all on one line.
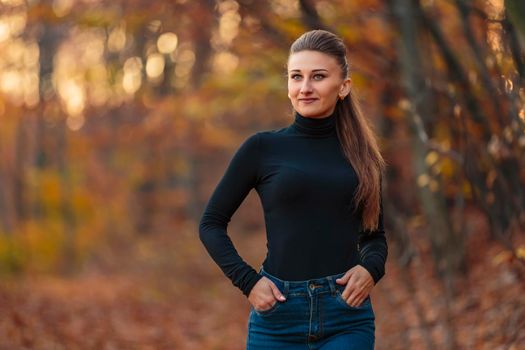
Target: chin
[[305, 112]]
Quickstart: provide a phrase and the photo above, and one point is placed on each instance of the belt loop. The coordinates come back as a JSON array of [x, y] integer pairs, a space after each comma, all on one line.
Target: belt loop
[[286, 288], [331, 284]]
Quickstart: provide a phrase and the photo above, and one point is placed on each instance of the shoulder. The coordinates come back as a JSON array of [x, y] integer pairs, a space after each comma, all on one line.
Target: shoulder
[[272, 133], [256, 141], [250, 143]]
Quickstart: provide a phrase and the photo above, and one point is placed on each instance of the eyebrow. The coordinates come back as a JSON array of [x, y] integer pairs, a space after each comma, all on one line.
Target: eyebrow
[[314, 70]]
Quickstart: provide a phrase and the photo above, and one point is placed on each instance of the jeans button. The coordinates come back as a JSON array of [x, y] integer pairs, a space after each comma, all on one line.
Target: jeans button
[[312, 286]]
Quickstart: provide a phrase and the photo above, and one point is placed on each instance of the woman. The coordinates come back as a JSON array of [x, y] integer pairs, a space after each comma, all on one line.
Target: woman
[[319, 181]]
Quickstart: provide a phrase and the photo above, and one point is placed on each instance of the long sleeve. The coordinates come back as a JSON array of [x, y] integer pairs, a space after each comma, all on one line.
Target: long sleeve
[[241, 175], [373, 249]]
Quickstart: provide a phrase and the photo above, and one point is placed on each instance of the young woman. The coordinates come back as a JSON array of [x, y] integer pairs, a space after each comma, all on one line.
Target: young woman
[[319, 181]]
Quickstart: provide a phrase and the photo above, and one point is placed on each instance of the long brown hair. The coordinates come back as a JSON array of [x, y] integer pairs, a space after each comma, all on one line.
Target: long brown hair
[[357, 138]]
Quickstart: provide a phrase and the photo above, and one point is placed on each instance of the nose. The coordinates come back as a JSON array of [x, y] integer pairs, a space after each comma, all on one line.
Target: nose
[[306, 87]]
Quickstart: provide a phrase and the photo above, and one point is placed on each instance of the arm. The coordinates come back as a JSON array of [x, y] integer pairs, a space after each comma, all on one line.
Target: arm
[[373, 248], [240, 177]]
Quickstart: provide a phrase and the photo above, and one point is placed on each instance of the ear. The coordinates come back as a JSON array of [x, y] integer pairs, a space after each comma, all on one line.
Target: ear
[[345, 87]]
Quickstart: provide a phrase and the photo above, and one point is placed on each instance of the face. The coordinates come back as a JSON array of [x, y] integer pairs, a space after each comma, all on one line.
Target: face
[[315, 83]]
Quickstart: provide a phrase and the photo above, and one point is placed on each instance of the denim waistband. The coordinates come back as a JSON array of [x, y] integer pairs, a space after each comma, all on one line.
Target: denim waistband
[[312, 286]]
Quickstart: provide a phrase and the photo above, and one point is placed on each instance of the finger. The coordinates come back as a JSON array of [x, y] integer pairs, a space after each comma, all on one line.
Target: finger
[[276, 292], [354, 286], [360, 301], [348, 291], [357, 298], [344, 279], [353, 300]]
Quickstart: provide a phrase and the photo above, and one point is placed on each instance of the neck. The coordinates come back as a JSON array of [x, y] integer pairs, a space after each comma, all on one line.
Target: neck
[[316, 126]]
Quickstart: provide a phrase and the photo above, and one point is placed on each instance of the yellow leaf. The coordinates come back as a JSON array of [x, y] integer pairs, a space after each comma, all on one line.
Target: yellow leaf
[[504, 256], [520, 252]]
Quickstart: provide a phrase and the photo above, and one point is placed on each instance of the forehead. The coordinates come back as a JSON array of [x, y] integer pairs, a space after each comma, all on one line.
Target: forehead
[[308, 60]]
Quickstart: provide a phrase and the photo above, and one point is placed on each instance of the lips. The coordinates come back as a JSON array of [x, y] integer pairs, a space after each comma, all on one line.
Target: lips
[[307, 100]]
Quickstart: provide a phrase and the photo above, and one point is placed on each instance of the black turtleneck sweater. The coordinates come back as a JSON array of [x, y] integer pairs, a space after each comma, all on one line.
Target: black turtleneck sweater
[[305, 186]]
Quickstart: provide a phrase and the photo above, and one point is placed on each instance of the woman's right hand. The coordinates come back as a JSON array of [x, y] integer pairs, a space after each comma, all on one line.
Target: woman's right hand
[[265, 294]]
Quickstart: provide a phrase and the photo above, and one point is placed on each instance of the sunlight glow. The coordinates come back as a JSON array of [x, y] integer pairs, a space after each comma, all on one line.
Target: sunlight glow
[[423, 180], [10, 81], [155, 25], [93, 48], [12, 25], [73, 96], [155, 65], [75, 122], [184, 59], [12, 2], [62, 7], [182, 71], [431, 158], [117, 39], [457, 110], [19, 71], [5, 33], [229, 26], [14, 53], [285, 8], [98, 88], [80, 74], [225, 62], [132, 75], [31, 89], [167, 42]]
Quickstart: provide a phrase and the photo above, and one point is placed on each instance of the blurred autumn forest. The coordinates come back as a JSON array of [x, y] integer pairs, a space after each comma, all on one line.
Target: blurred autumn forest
[[118, 119]]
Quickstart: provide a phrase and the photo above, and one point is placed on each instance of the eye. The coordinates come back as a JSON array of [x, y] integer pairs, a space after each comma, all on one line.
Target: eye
[[293, 76], [318, 76]]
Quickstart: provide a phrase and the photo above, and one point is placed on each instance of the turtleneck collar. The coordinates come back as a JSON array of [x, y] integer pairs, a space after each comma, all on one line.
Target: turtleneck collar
[[315, 126]]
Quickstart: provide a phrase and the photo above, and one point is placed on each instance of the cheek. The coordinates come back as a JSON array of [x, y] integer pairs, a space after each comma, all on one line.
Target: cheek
[[331, 91], [292, 90]]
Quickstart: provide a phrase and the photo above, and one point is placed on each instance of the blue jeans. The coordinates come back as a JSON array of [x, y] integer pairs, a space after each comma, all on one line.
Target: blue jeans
[[313, 316]]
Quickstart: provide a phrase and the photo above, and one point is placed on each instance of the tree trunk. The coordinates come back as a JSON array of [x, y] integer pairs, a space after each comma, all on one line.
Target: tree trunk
[[447, 249]]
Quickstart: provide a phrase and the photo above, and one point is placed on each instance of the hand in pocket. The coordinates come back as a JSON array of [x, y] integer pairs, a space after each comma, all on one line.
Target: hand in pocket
[[265, 294], [359, 284]]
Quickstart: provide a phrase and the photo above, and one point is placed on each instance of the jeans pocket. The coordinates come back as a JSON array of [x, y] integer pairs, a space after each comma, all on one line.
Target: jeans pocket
[[268, 311], [364, 304]]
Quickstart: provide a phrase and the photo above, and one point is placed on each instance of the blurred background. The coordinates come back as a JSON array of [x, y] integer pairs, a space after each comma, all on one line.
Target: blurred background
[[118, 118]]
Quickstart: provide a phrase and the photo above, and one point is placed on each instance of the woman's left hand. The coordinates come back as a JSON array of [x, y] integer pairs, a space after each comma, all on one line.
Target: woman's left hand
[[358, 282]]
